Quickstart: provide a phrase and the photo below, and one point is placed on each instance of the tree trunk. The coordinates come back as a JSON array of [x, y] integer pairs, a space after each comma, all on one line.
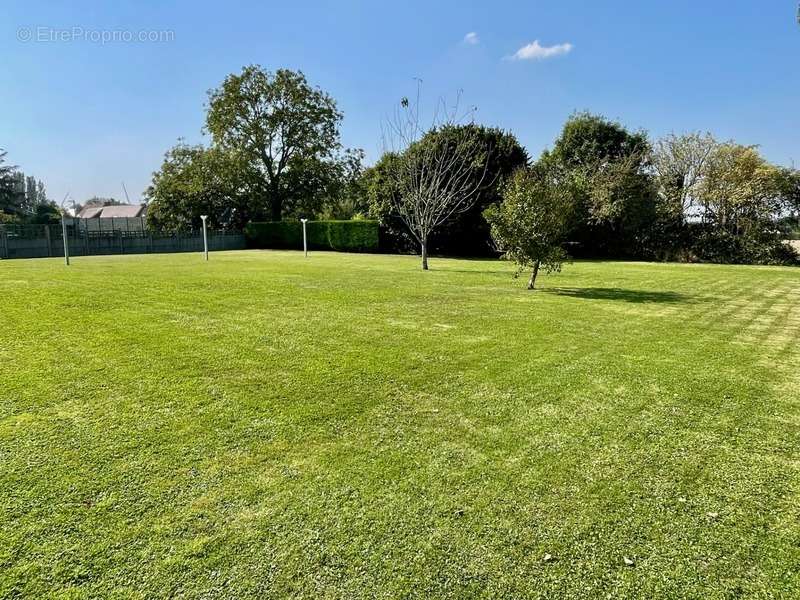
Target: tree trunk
[[424, 248], [532, 280], [275, 208]]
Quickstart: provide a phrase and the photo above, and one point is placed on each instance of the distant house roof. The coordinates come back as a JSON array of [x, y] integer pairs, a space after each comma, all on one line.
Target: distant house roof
[[90, 212], [118, 211]]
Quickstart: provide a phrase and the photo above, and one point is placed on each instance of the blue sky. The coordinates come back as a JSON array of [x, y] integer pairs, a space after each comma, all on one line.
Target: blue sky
[[84, 115]]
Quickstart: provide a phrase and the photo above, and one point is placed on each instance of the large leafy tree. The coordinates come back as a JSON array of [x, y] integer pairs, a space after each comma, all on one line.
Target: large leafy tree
[[532, 223], [30, 192], [791, 190], [590, 141], [286, 129], [346, 195], [680, 163], [741, 190], [194, 181], [614, 192]]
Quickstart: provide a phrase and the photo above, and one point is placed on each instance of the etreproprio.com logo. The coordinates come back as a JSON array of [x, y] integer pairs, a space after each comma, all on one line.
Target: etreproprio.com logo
[[45, 34]]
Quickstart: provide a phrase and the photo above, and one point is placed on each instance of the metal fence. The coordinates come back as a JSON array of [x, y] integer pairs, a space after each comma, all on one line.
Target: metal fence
[[86, 239]]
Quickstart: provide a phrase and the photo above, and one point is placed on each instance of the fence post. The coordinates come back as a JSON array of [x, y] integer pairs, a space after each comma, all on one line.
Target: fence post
[[49, 241], [66, 242], [4, 240], [305, 243], [205, 237]]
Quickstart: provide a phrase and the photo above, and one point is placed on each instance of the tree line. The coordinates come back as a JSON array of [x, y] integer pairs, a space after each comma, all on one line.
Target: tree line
[[605, 191], [454, 186], [23, 198]]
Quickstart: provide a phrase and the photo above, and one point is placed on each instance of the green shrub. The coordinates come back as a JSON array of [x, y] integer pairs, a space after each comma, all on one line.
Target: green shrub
[[761, 246], [344, 236], [274, 234]]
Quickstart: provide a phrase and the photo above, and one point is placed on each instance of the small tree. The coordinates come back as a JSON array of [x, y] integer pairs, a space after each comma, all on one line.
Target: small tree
[[531, 224], [434, 171]]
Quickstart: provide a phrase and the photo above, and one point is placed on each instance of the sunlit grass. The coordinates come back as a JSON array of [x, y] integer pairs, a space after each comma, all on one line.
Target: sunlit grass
[[265, 425]]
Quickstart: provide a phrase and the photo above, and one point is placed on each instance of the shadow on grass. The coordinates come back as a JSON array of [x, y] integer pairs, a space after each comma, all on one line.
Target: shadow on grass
[[638, 296]]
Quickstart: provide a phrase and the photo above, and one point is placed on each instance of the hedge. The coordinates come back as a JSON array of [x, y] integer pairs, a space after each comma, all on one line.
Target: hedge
[[344, 236], [274, 234]]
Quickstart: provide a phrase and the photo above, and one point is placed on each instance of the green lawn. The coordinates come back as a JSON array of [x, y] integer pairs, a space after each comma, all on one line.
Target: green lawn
[[347, 426]]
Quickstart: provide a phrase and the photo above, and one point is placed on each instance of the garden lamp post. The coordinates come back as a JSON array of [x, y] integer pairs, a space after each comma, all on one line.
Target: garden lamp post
[[305, 244], [64, 236], [205, 236]]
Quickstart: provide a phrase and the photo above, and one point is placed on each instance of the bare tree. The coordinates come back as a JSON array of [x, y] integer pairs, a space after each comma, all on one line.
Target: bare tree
[[435, 174], [680, 162]]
